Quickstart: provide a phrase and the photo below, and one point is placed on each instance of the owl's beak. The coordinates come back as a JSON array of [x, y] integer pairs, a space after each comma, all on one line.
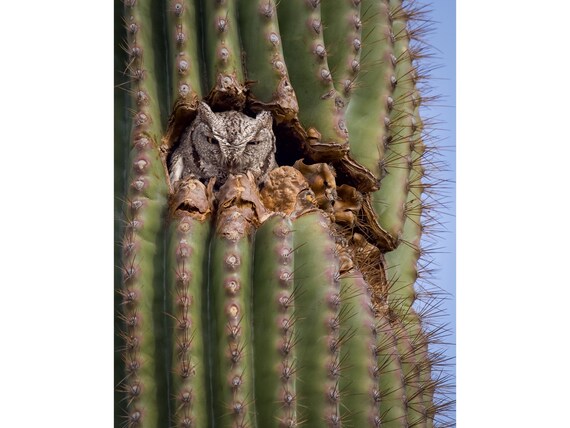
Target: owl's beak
[[232, 162]]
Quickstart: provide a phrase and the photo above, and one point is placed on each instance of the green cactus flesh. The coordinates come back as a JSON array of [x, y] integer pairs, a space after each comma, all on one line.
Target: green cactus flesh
[[292, 302], [274, 323], [343, 36], [187, 260], [321, 109], [369, 100], [186, 66]]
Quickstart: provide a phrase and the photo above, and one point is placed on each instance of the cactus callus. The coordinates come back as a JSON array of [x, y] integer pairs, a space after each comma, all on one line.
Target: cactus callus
[[290, 302]]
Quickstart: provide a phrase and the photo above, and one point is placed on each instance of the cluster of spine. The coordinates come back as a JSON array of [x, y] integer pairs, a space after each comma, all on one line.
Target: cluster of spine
[[262, 328]]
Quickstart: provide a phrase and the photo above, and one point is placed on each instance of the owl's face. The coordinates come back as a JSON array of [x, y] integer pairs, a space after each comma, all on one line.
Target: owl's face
[[232, 142]]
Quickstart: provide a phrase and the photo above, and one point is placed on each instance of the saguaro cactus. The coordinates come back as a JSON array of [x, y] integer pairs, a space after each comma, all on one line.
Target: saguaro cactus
[[288, 302]]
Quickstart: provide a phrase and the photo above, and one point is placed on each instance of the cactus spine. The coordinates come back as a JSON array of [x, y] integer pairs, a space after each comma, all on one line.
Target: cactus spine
[[289, 303]]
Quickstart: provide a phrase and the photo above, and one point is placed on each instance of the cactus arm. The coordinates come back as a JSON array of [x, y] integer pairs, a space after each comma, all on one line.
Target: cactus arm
[[186, 68], [274, 325]]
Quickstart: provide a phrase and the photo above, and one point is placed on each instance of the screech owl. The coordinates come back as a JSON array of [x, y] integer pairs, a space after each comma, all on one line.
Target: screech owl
[[219, 144]]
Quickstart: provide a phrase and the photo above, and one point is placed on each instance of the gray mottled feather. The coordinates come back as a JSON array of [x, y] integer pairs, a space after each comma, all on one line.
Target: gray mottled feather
[[218, 144]]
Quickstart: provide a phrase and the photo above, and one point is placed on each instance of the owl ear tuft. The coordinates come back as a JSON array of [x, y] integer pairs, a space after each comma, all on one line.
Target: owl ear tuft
[[265, 118], [205, 112]]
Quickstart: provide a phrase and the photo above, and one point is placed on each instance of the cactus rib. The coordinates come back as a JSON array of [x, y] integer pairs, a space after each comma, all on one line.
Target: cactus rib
[[265, 65], [343, 35], [143, 236], [360, 394], [317, 304], [184, 49], [274, 324], [321, 108], [188, 237]]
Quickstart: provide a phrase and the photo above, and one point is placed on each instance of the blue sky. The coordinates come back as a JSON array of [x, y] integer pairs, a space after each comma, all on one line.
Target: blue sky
[[442, 81]]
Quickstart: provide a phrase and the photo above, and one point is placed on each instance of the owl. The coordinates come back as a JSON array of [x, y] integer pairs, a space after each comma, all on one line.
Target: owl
[[219, 144]]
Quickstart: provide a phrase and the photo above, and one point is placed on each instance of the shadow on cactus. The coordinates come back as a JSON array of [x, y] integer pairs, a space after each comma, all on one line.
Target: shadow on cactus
[[270, 180]]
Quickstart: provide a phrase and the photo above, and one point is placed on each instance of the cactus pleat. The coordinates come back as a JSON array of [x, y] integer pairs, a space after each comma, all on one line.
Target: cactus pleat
[[389, 202], [317, 306], [222, 50], [266, 67], [371, 97], [421, 369], [186, 64], [121, 154], [402, 271], [187, 259], [343, 37], [292, 302], [412, 386], [144, 332], [321, 108], [390, 376], [360, 393], [402, 263], [274, 324], [231, 289]]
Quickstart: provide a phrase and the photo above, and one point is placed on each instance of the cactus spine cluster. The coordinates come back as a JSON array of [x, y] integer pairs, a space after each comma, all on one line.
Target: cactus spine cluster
[[291, 303]]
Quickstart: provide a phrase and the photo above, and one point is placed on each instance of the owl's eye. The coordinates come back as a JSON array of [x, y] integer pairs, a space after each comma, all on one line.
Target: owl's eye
[[212, 140], [252, 142]]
